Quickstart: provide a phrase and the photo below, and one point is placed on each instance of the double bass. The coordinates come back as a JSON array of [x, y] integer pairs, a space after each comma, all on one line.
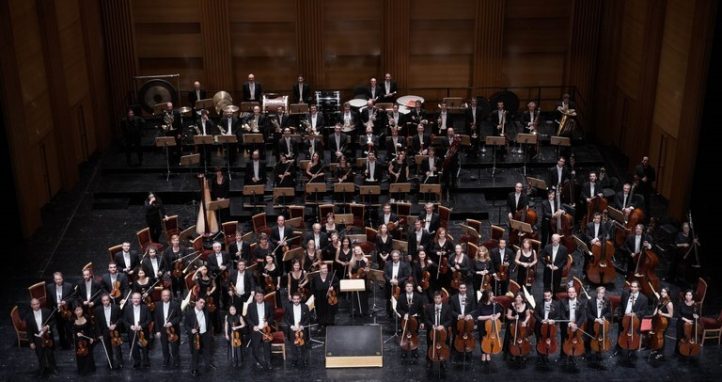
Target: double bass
[[644, 272], [207, 222], [601, 270], [689, 345], [526, 215]]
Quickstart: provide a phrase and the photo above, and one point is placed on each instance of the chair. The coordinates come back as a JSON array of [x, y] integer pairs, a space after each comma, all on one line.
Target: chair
[[259, 223], [171, 227], [497, 233], [359, 214], [278, 343], [21, 329], [113, 250], [444, 216], [197, 245], [229, 231], [186, 236], [712, 328], [145, 241], [475, 224], [471, 250], [324, 210], [296, 212], [371, 234], [38, 291], [699, 292]]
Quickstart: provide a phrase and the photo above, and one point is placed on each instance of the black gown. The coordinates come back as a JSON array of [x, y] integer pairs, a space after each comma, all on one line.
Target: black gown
[[86, 364], [477, 266], [521, 272], [325, 313]]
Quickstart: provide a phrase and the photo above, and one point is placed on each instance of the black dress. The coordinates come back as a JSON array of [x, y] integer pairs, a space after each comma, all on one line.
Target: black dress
[[486, 310], [325, 313], [383, 247], [521, 272], [141, 288], [295, 281], [316, 169], [478, 266], [86, 363], [685, 311], [509, 335], [220, 190], [345, 256], [399, 168]]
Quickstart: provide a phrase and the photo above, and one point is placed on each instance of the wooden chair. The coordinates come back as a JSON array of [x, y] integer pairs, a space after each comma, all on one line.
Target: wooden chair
[[171, 227], [497, 233], [278, 344], [323, 210], [38, 291], [712, 328], [371, 234], [699, 292], [186, 236], [296, 212], [260, 224], [359, 214], [475, 224], [113, 250], [471, 250], [21, 329], [145, 241], [444, 216], [229, 231]]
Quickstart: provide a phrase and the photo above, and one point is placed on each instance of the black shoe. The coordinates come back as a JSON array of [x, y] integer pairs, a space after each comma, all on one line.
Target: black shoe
[[614, 354], [194, 372], [258, 366], [294, 364], [269, 367], [165, 364], [136, 366]]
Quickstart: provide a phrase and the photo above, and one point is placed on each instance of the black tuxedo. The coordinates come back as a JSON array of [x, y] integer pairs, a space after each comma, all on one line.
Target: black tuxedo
[[393, 218], [322, 239], [480, 115], [289, 320], [559, 261], [120, 261], [248, 180], [245, 252], [193, 97], [377, 92], [511, 203], [435, 221], [276, 235], [145, 318], [554, 176], [108, 285], [417, 146], [640, 307], [629, 242], [416, 116], [602, 232], [445, 317], [211, 128], [102, 329], [580, 315], [261, 349], [148, 267], [307, 96], [379, 171], [170, 349], [632, 200], [414, 244], [46, 358], [394, 148], [249, 285], [320, 121], [206, 339], [402, 275], [415, 308], [354, 118], [50, 293], [593, 310], [289, 149], [526, 117], [393, 89], [496, 121], [95, 288], [555, 312], [449, 120], [235, 128], [455, 303], [363, 142], [587, 190], [258, 91], [214, 267]]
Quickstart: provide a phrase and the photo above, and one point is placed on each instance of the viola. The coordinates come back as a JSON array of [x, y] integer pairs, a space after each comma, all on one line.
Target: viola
[[83, 347], [464, 339], [142, 341], [236, 341], [149, 302], [574, 343], [601, 341], [303, 291], [443, 264], [360, 274], [456, 280], [600, 270], [115, 293], [491, 343], [268, 283], [689, 345], [486, 282], [410, 334], [629, 338], [547, 342], [519, 345], [332, 298], [115, 338], [425, 280], [178, 269], [47, 340], [439, 350], [298, 339], [266, 332], [171, 334]]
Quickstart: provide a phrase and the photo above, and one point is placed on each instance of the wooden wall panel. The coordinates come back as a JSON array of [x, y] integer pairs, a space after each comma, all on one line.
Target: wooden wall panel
[[396, 40], [488, 42], [161, 11], [310, 16]]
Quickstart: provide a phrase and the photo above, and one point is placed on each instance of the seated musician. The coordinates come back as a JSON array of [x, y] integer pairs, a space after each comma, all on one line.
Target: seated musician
[[421, 142], [436, 316], [573, 310], [625, 200], [338, 144], [517, 200], [314, 169], [287, 146], [635, 244], [285, 172], [343, 172], [633, 303], [462, 308], [598, 309], [394, 143], [255, 170], [297, 319], [597, 231], [591, 189], [388, 89], [374, 172], [546, 312], [431, 167], [410, 304], [301, 91], [369, 142], [396, 272], [487, 309]]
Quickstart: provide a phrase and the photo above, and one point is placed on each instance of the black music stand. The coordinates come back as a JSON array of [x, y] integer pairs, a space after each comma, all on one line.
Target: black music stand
[[204, 140], [560, 141], [374, 191], [250, 139], [225, 140], [526, 139], [495, 140], [344, 189], [283, 192], [166, 142], [254, 190], [400, 189], [377, 277]]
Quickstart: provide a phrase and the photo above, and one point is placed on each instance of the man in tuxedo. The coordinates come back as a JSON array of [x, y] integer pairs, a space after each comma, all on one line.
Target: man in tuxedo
[[450, 173], [110, 279], [597, 231], [252, 90], [388, 89], [58, 293], [241, 284], [501, 256], [301, 91], [369, 142], [255, 170], [474, 114], [107, 319], [199, 327], [154, 265], [338, 144], [500, 118], [396, 120], [297, 319], [417, 115], [38, 323], [429, 218], [436, 316], [349, 118], [550, 208], [88, 290], [445, 120], [431, 165], [239, 249], [314, 121], [530, 118], [633, 304], [219, 266], [516, 200], [421, 142], [410, 304], [591, 188], [646, 175], [230, 125], [566, 103], [574, 311], [559, 173], [396, 272], [635, 244], [625, 200], [387, 216], [196, 94], [546, 312], [371, 116], [462, 308], [136, 318], [127, 260], [373, 91], [132, 128], [260, 315], [418, 238], [554, 256], [374, 172], [280, 233], [286, 145], [168, 315], [319, 238], [598, 310]]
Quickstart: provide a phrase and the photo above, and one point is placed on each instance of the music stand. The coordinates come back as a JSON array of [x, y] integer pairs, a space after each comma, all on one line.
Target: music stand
[[536, 183], [557, 141], [520, 226], [224, 140], [298, 108], [376, 276], [292, 254], [526, 139], [345, 219], [283, 192], [400, 188], [206, 103], [165, 142], [203, 140], [314, 188], [253, 190], [433, 188], [353, 285], [343, 189], [253, 139], [191, 159], [219, 204], [369, 190], [494, 140]]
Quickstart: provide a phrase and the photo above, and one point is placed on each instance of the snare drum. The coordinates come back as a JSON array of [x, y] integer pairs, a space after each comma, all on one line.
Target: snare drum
[[328, 101], [271, 102], [357, 103], [409, 101]]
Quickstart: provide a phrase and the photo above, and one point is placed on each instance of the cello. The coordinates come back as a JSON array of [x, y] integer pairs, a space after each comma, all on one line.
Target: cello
[[629, 338], [644, 272], [519, 346], [491, 343], [464, 339], [207, 222], [689, 345], [659, 326], [547, 342], [410, 334], [439, 350], [600, 270], [574, 343], [601, 342]]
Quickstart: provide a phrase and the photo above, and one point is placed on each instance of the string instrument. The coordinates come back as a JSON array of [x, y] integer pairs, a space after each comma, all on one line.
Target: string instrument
[[601, 341], [171, 334], [47, 338], [547, 342], [563, 224], [574, 343], [597, 204], [644, 272], [464, 339], [456, 279], [64, 311], [82, 348], [600, 270], [425, 279], [236, 340], [298, 339], [689, 345], [503, 273], [692, 267], [486, 282], [491, 343], [410, 334], [197, 338], [451, 152], [526, 215], [268, 284], [115, 293], [659, 326], [115, 338], [142, 341], [520, 345], [207, 222], [331, 295], [629, 338], [396, 291], [443, 265], [439, 350], [266, 333], [360, 273], [148, 299]]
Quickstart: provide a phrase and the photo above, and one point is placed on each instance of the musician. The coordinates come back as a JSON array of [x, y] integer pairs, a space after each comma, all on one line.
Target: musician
[[396, 272], [431, 166], [136, 318], [199, 327], [280, 121], [255, 170], [422, 264], [603, 179], [566, 103], [462, 308], [547, 312], [530, 118], [142, 285], [420, 143], [172, 120], [573, 310], [358, 262], [399, 169], [314, 121], [228, 125], [319, 238], [287, 146], [334, 244], [259, 316], [241, 284], [665, 308], [206, 126], [370, 116], [234, 323], [374, 172], [459, 262], [39, 321], [419, 238], [625, 200], [501, 258], [285, 172], [635, 244], [314, 169], [173, 255], [343, 258], [132, 128], [519, 312], [395, 120], [554, 257], [338, 144], [487, 309], [473, 116], [107, 320], [387, 216], [646, 175], [321, 285], [591, 189], [301, 91], [127, 260], [525, 261], [550, 209], [270, 277], [58, 294], [430, 218], [410, 304], [369, 141], [297, 318], [437, 316], [481, 267], [154, 216], [252, 90], [632, 303], [559, 174], [154, 266], [219, 265], [684, 242], [395, 143], [499, 117], [598, 310], [451, 158], [111, 278], [84, 335], [168, 317], [597, 231], [263, 247], [89, 290], [373, 91], [343, 172], [417, 116], [257, 123], [311, 257], [349, 118], [196, 94], [517, 200], [445, 119], [388, 89], [280, 232]]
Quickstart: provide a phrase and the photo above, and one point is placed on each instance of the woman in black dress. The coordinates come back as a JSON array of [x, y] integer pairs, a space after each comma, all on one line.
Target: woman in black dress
[[270, 277], [154, 215], [384, 245], [331, 227], [296, 279], [518, 311], [460, 263], [205, 286], [360, 302], [314, 169], [233, 326], [688, 312], [142, 283], [525, 260], [482, 267], [333, 247], [84, 335], [343, 171], [220, 187], [320, 286], [263, 248], [311, 257], [343, 258], [399, 169], [442, 246], [420, 265], [486, 310], [664, 308]]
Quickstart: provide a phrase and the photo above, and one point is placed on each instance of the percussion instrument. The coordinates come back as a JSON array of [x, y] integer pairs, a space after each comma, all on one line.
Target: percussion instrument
[[328, 101], [357, 103], [272, 101], [409, 100], [222, 99]]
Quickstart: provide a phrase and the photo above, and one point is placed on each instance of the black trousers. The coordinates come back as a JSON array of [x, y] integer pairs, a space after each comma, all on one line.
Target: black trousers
[[261, 349], [46, 356], [557, 278], [132, 144], [170, 349], [138, 353], [115, 353], [206, 350]]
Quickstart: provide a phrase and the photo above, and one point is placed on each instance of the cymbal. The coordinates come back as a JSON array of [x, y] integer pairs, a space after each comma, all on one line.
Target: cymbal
[[184, 110], [231, 109]]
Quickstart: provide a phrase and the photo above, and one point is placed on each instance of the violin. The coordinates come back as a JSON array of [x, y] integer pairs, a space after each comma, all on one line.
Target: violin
[[332, 298], [456, 280], [266, 333], [83, 347], [47, 340], [197, 338], [438, 351], [115, 338], [178, 269], [464, 339], [491, 343], [425, 280], [396, 291], [360, 274], [486, 282], [520, 345], [689, 345], [547, 343], [149, 303], [601, 341], [574, 343], [142, 341], [236, 341], [410, 334], [298, 339], [600, 270], [115, 293], [443, 264], [629, 338], [268, 283], [171, 334]]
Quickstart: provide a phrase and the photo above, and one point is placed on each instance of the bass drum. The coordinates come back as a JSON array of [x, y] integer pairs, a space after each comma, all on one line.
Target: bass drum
[[156, 91], [271, 102], [511, 101]]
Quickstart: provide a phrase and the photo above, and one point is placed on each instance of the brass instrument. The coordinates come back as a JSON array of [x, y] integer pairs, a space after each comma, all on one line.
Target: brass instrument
[[502, 123], [221, 100], [566, 124]]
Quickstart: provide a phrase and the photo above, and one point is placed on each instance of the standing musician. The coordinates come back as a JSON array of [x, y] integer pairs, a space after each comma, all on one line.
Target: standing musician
[[499, 118], [349, 118], [635, 244], [344, 171], [441, 250], [115, 283], [373, 90], [287, 146], [599, 309], [136, 318], [554, 256], [436, 316], [279, 122], [321, 286], [520, 312], [196, 94], [58, 295], [255, 170], [388, 89], [474, 116], [625, 201], [229, 125], [396, 273], [240, 284], [154, 216], [314, 169], [107, 321], [296, 280], [550, 209], [597, 233], [482, 267], [208, 127], [297, 318], [314, 121], [421, 142], [664, 308], [153, 265], [395, 143], [206, 287], [683, 242], [280, 233], [430, 219], [357, 264], [239, 249], [219, 266], [167, 320], [173, 255], [84, 335], [420, 265], [419, 239], [260, 316], [530, 118], [89, 290], [311, 257], [417, 115], [431, 167], [334, 245], [234, 323], [171, 124], [517, 200], [263, 247], [127, 260], [634, 304], [374, 172], [646, 175], [396, 121], [252, 90], [487, 309], [199, 327], [501, 258], [343, 258], [399, 169], [573, 310], [370, 117], [319, 238], [383, 246], [459, 262], [338, 143], [547, 312], [451, 158], [445, 120], [132, 128], [301, 91], [387, 216], [559, 174], [591, 189], [410, 304], [462, 308], [369, 142], [525, 260], [39, 321]]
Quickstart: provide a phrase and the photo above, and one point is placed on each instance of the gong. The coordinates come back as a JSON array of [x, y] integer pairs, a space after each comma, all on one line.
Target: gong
[[156, 91]]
